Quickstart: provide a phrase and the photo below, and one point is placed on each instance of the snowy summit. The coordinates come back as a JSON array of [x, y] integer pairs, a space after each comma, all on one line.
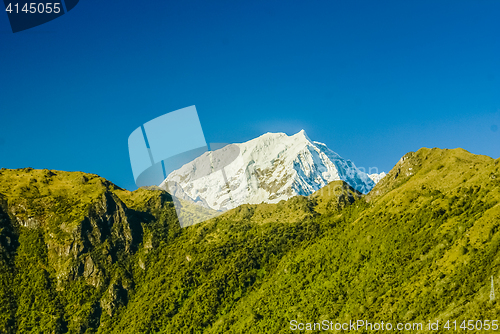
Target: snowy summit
[[270, 168]]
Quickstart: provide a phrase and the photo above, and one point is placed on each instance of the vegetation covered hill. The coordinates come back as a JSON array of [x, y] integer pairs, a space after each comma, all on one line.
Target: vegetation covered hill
[[80, 255]]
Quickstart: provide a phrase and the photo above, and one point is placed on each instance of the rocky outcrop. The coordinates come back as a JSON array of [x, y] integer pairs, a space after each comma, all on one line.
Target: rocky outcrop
[[110, 219], [80, 234], [109, 230], [114, 297]]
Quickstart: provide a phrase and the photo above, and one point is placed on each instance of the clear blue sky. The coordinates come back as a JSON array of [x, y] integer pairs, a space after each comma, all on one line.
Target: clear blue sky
[[371, 79]]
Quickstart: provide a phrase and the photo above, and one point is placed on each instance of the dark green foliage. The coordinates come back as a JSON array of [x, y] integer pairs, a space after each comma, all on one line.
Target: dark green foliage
[[8, 242], [38, 307], [80, 255]]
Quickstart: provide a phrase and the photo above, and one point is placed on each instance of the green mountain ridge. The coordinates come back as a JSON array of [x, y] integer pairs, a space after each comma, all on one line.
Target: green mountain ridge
[[80, 255]]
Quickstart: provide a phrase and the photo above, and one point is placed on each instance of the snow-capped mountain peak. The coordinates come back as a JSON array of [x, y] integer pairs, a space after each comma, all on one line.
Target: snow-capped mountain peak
[[270, 168], [376, 177]]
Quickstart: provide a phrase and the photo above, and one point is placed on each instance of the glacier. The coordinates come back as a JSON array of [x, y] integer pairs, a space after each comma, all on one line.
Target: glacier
[[267, 169]]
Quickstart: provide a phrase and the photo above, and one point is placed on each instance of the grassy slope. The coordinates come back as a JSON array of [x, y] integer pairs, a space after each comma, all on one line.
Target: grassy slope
[[422, 245], [208, 268], [51, 204], [423, 248]]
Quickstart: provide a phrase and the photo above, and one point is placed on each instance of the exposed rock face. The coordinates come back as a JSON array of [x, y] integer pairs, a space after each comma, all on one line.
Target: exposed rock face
[[109, 218], [22, 217], [81, 228], [109, 229], [84, 269]]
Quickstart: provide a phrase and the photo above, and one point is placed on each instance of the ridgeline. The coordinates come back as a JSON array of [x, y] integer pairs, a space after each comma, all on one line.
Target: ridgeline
[[80, 255]]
